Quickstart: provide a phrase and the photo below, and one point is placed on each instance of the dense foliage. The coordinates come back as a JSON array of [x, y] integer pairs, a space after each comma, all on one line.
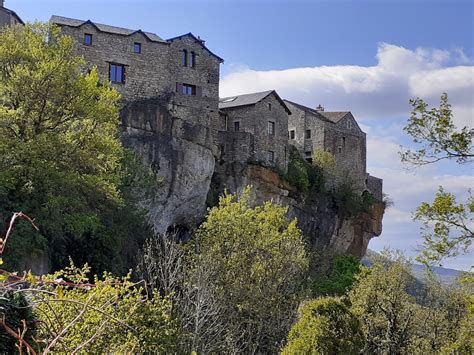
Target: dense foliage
[[339, 278], [325, 326], [61, 160]]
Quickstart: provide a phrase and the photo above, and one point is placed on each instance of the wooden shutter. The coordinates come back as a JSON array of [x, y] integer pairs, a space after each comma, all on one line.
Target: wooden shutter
[[179, 88]]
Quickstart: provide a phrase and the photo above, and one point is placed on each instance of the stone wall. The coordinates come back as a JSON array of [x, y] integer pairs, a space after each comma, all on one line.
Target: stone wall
[[375, 186], [348, 145], [254, 119]]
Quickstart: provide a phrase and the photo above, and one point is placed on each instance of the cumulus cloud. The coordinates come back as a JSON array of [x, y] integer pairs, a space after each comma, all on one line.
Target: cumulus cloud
[[380, 91]]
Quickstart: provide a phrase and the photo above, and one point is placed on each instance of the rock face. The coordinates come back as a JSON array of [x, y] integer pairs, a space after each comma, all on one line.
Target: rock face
[[181, 154], [326, 231]]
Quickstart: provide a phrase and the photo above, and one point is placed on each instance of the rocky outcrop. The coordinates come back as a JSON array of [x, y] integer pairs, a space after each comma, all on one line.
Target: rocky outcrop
[[327, 232], [180, 154]]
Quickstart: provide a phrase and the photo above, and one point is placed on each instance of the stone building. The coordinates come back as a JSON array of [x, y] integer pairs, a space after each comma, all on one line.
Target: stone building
[[8, 17], [335, 132], [254, 128]]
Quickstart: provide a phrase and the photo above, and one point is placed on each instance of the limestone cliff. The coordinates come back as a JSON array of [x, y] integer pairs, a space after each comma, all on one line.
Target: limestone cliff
[[181, 154], [326, 230]]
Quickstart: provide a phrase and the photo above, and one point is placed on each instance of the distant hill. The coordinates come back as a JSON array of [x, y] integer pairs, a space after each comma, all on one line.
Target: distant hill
[[447, 276]]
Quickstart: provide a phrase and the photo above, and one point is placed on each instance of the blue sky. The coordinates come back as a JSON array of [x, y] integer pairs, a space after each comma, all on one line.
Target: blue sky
[[368, 57]]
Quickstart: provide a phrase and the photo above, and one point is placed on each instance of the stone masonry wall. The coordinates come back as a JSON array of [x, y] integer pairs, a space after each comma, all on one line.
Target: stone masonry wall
[[254, 119], [146, 74], [6, 18]]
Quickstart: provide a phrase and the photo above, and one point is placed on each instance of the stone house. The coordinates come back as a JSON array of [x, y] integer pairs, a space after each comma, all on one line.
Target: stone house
[[254, 128], [8, 17], [336, 132], [181, 71]]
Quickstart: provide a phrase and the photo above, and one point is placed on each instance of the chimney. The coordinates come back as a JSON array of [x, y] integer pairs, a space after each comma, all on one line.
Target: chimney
[[319, 108], [2, 3], [199, 38]]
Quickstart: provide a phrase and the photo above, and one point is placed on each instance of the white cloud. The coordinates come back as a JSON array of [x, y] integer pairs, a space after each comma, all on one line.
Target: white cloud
[[380, 91]]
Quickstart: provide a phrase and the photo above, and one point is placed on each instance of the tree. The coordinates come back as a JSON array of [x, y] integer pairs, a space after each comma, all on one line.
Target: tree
[[400, 314], [435, 131], [381, 301], [439, 218], [325, 326], [258, 261], [340, 277], [61, 160], [325, 161]]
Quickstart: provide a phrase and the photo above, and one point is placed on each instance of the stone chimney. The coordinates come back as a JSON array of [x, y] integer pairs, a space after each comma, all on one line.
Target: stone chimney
[[2, 3], [319, 108]]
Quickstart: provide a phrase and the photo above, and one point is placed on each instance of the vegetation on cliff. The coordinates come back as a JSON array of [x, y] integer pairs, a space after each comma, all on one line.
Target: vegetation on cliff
[[60, 156]]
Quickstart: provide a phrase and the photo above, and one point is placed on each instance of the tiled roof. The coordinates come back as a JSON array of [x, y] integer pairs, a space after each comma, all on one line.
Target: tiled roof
[[65, 21], [333, 117], [248, 99]]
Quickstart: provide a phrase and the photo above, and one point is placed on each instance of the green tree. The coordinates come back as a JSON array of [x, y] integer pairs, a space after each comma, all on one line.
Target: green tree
[[258, 261], [435, 132], [439, 218], [61, 160], [381, 301], [340, 277], [325, 326], [439, 139], [325, 161]]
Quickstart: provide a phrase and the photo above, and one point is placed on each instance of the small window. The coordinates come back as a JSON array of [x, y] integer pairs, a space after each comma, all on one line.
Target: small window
[[271, 156], [88, 39], [236, 126], [188, 89], [184, 59], [308, 134], [349, 124], [339, 149], [343, 141], [269, 107], [117, 73], [271, 128], [137, 47], [292, 134], [193, 60], [309, 153]]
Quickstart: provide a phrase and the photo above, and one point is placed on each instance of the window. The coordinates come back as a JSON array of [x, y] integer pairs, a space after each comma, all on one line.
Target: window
[[271, 128], [236, 126], [292, 134], [193, 60], [137, 47], [343, 141], [339, 149], [349, 124], [117, 73], [271, 156], [269, 107], [308, 153], [308, 134], [185, 58], [88, 39], [188, 89]]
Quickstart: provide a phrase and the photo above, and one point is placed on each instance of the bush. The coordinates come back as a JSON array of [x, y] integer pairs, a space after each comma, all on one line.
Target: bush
[[325, 326], [340, 277]]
